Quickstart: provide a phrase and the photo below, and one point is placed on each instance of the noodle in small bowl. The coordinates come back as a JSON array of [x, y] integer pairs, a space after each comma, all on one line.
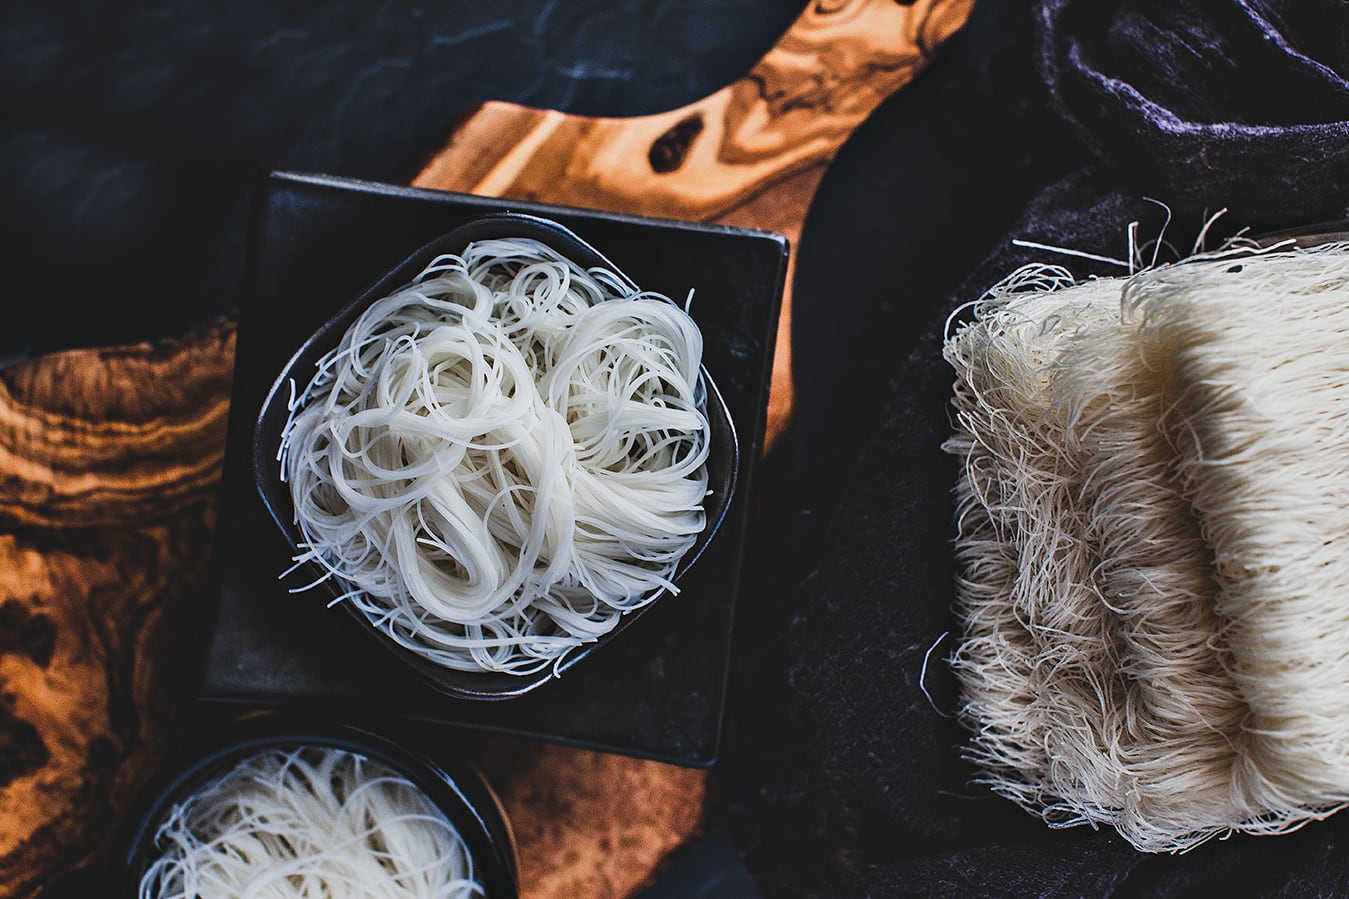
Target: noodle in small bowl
[[295, 808], [498, 456]]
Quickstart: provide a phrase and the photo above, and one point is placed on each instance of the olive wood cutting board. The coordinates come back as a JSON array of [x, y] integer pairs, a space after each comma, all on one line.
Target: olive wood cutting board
[[110, 463]]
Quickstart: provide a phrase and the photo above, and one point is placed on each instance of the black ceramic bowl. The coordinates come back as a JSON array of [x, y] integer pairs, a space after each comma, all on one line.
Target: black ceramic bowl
[[722, 464], [455, 787]]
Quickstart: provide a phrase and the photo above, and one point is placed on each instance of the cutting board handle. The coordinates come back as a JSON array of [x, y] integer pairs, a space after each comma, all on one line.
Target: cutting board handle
[[751, 154], [789, 113]]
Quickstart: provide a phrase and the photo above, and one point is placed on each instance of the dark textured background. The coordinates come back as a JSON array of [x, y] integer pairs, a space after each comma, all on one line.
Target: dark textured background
[[132, 133]]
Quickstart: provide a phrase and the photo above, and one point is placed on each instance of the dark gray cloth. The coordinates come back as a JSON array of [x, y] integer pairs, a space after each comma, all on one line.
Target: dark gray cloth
[[1241, 104], [857, 787]]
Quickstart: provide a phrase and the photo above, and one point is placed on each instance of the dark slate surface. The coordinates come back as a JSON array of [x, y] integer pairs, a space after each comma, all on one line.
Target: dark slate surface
[[131, 134]]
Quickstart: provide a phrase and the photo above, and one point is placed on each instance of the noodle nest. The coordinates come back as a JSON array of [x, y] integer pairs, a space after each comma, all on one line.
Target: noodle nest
[[500, 459]]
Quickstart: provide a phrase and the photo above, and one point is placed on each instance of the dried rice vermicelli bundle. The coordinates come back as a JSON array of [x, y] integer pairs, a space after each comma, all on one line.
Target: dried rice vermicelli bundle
[[1085, 593], [1259, 408], [1108, 661]]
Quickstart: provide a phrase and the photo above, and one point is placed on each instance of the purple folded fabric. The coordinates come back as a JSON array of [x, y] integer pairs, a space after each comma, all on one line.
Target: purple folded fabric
[[1202, 104], [1244, 104]]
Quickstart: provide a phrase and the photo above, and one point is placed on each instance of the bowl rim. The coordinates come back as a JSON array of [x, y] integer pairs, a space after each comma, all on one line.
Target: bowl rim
[[724, 452], [1305, 236], [452, 783]]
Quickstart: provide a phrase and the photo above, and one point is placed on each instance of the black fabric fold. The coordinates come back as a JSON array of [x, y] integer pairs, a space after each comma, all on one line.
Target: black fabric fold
[[853, 784], [1241, 103]]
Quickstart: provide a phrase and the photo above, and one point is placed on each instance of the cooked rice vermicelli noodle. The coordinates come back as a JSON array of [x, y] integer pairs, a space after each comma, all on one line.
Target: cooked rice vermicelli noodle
[[1150, 512], [503, 457], [309, 823]]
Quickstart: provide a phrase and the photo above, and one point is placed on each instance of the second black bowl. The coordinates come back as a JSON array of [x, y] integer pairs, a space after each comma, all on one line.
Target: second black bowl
[[454, 787]]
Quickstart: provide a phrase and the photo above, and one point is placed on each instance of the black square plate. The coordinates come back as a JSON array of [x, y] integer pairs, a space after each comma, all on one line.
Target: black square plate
[[276, 494], [659, 690]]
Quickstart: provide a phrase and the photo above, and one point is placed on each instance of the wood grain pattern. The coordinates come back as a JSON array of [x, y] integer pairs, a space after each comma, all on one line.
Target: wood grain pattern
[[590, 824], [751, 154], [101, 437], [110, 461]]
